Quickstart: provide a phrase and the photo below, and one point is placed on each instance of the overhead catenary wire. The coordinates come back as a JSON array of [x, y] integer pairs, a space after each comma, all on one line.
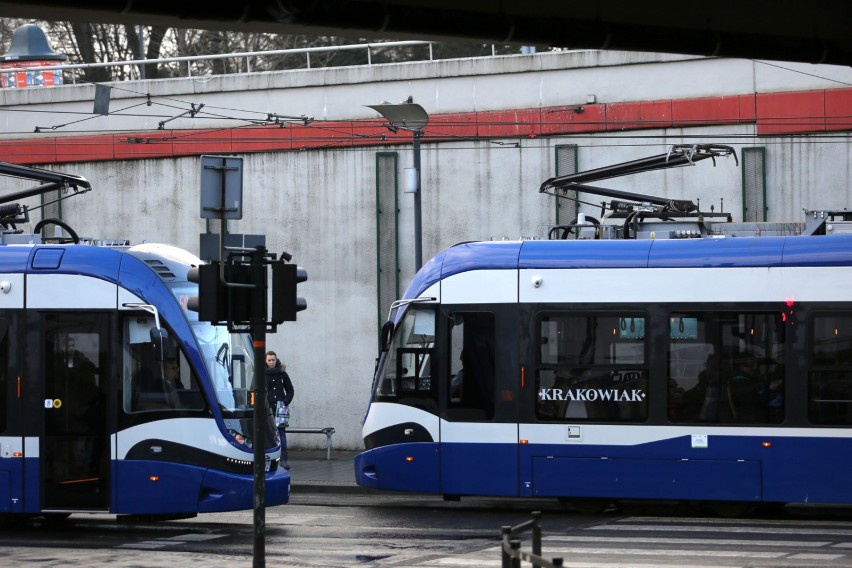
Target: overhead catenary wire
[[252, 116]]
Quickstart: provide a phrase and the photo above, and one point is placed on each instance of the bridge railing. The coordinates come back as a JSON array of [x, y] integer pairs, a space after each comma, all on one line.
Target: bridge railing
[[189, 66]]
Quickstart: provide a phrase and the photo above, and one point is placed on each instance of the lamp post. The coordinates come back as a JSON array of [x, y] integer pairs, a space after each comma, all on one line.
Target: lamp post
[[409, 116]]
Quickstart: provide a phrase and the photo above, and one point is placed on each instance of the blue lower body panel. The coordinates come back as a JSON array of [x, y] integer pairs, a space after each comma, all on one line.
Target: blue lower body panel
[[228, 492], [11, 486], [714, 480], [479, 469], [761, 467], [401, 467], [156, 488]]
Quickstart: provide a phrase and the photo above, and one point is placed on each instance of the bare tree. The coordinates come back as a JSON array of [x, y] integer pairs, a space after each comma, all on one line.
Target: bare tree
[[103, 43]]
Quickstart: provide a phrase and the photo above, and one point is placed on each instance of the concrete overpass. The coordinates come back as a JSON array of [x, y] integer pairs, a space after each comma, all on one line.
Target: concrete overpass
[[787, 30]]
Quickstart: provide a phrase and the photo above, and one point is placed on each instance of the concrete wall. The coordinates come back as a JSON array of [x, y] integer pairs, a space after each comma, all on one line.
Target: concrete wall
[[320, 205], [463, 85]]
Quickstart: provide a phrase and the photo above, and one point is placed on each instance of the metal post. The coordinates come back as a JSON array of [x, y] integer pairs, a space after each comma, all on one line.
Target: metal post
[[411, 117], [140, 30], [418, 233], [504, 556], [516, 553], [258, 325], [536, 535]]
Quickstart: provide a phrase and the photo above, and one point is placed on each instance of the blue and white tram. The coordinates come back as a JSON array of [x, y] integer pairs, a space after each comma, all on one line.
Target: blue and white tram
[[86, 423], [707, 369]]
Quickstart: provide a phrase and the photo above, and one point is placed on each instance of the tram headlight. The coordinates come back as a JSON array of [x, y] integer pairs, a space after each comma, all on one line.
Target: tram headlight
[[240, 438]]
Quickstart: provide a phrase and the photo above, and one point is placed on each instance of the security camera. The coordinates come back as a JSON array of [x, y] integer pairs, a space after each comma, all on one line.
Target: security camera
[[536, 281]]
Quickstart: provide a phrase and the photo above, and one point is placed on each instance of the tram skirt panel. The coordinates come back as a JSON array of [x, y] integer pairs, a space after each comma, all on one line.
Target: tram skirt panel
[[715, 480]]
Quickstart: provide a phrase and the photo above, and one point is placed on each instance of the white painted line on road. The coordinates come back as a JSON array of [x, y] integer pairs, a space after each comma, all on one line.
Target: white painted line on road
[[147, 544], [729, 521], [495, 561], [556, 551], [192, 537], [680, 541], [752, 530]]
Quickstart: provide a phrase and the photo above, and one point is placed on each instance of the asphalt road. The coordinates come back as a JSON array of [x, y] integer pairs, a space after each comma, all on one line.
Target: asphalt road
[[356, 529]]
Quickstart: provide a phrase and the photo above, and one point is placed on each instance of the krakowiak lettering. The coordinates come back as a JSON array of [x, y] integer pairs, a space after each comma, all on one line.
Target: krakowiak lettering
[[593, 395]]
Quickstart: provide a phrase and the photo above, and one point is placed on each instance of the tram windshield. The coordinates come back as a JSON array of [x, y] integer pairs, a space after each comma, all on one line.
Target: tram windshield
[[407, 367], [230, 361], [229, 358]]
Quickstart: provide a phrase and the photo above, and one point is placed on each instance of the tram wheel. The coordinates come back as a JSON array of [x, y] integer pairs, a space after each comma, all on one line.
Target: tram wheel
[[12, 521], [590, 506], [730, 509]]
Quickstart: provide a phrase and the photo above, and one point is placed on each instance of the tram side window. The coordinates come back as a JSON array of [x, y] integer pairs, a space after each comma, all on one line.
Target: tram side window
[[592, 367], [830, 369], [726, 367], [152, 382], [407, 371], [471, 360]]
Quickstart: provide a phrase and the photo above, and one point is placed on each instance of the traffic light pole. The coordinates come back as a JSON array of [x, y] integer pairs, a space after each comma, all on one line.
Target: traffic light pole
[[217, 301], [258, 327]]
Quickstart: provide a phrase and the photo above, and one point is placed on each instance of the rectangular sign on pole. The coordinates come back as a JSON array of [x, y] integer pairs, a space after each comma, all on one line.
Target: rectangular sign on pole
[[221, 187]]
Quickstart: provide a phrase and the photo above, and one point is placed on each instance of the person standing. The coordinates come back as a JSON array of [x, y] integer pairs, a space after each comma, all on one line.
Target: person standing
[[279, 389], [170, 382]]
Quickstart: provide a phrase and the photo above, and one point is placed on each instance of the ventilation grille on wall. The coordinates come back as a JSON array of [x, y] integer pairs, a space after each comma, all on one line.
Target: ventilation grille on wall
[[754, 184], [566, 163]]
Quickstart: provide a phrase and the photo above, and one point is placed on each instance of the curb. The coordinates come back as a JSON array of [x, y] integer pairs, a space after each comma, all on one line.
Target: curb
[[306, 487]]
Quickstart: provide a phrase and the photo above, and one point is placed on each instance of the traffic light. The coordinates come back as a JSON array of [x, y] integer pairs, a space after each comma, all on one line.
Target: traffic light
[[211, 303], [218, 302], [285, 301]]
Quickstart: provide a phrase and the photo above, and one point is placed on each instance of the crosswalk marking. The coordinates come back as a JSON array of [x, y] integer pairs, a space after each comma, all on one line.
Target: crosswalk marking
[[725, 521], [681, 541], [146, 544], [816, 556], [821, 531], [171, 541], [557, 551], [191, 537], [610, 545]]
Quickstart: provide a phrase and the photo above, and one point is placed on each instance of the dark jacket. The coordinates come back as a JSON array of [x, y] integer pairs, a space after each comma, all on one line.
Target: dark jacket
[[278, 385]]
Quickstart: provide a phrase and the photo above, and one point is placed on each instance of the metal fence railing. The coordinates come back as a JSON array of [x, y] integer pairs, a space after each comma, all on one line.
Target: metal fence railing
[[195, 66], [511, 552]]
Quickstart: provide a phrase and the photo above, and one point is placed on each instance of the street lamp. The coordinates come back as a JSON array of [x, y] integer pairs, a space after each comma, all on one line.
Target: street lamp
[[409, 116]]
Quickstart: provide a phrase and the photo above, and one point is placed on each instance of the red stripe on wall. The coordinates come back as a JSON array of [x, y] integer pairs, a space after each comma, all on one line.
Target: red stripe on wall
[[785, 113], [838, 110], [772, 113]]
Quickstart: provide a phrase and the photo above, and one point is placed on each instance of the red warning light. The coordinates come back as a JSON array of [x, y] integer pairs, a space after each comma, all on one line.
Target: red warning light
[[788, 314]]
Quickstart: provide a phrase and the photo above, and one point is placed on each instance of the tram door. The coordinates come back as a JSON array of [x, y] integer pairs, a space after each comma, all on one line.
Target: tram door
[[478, 451], [75, 446]]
